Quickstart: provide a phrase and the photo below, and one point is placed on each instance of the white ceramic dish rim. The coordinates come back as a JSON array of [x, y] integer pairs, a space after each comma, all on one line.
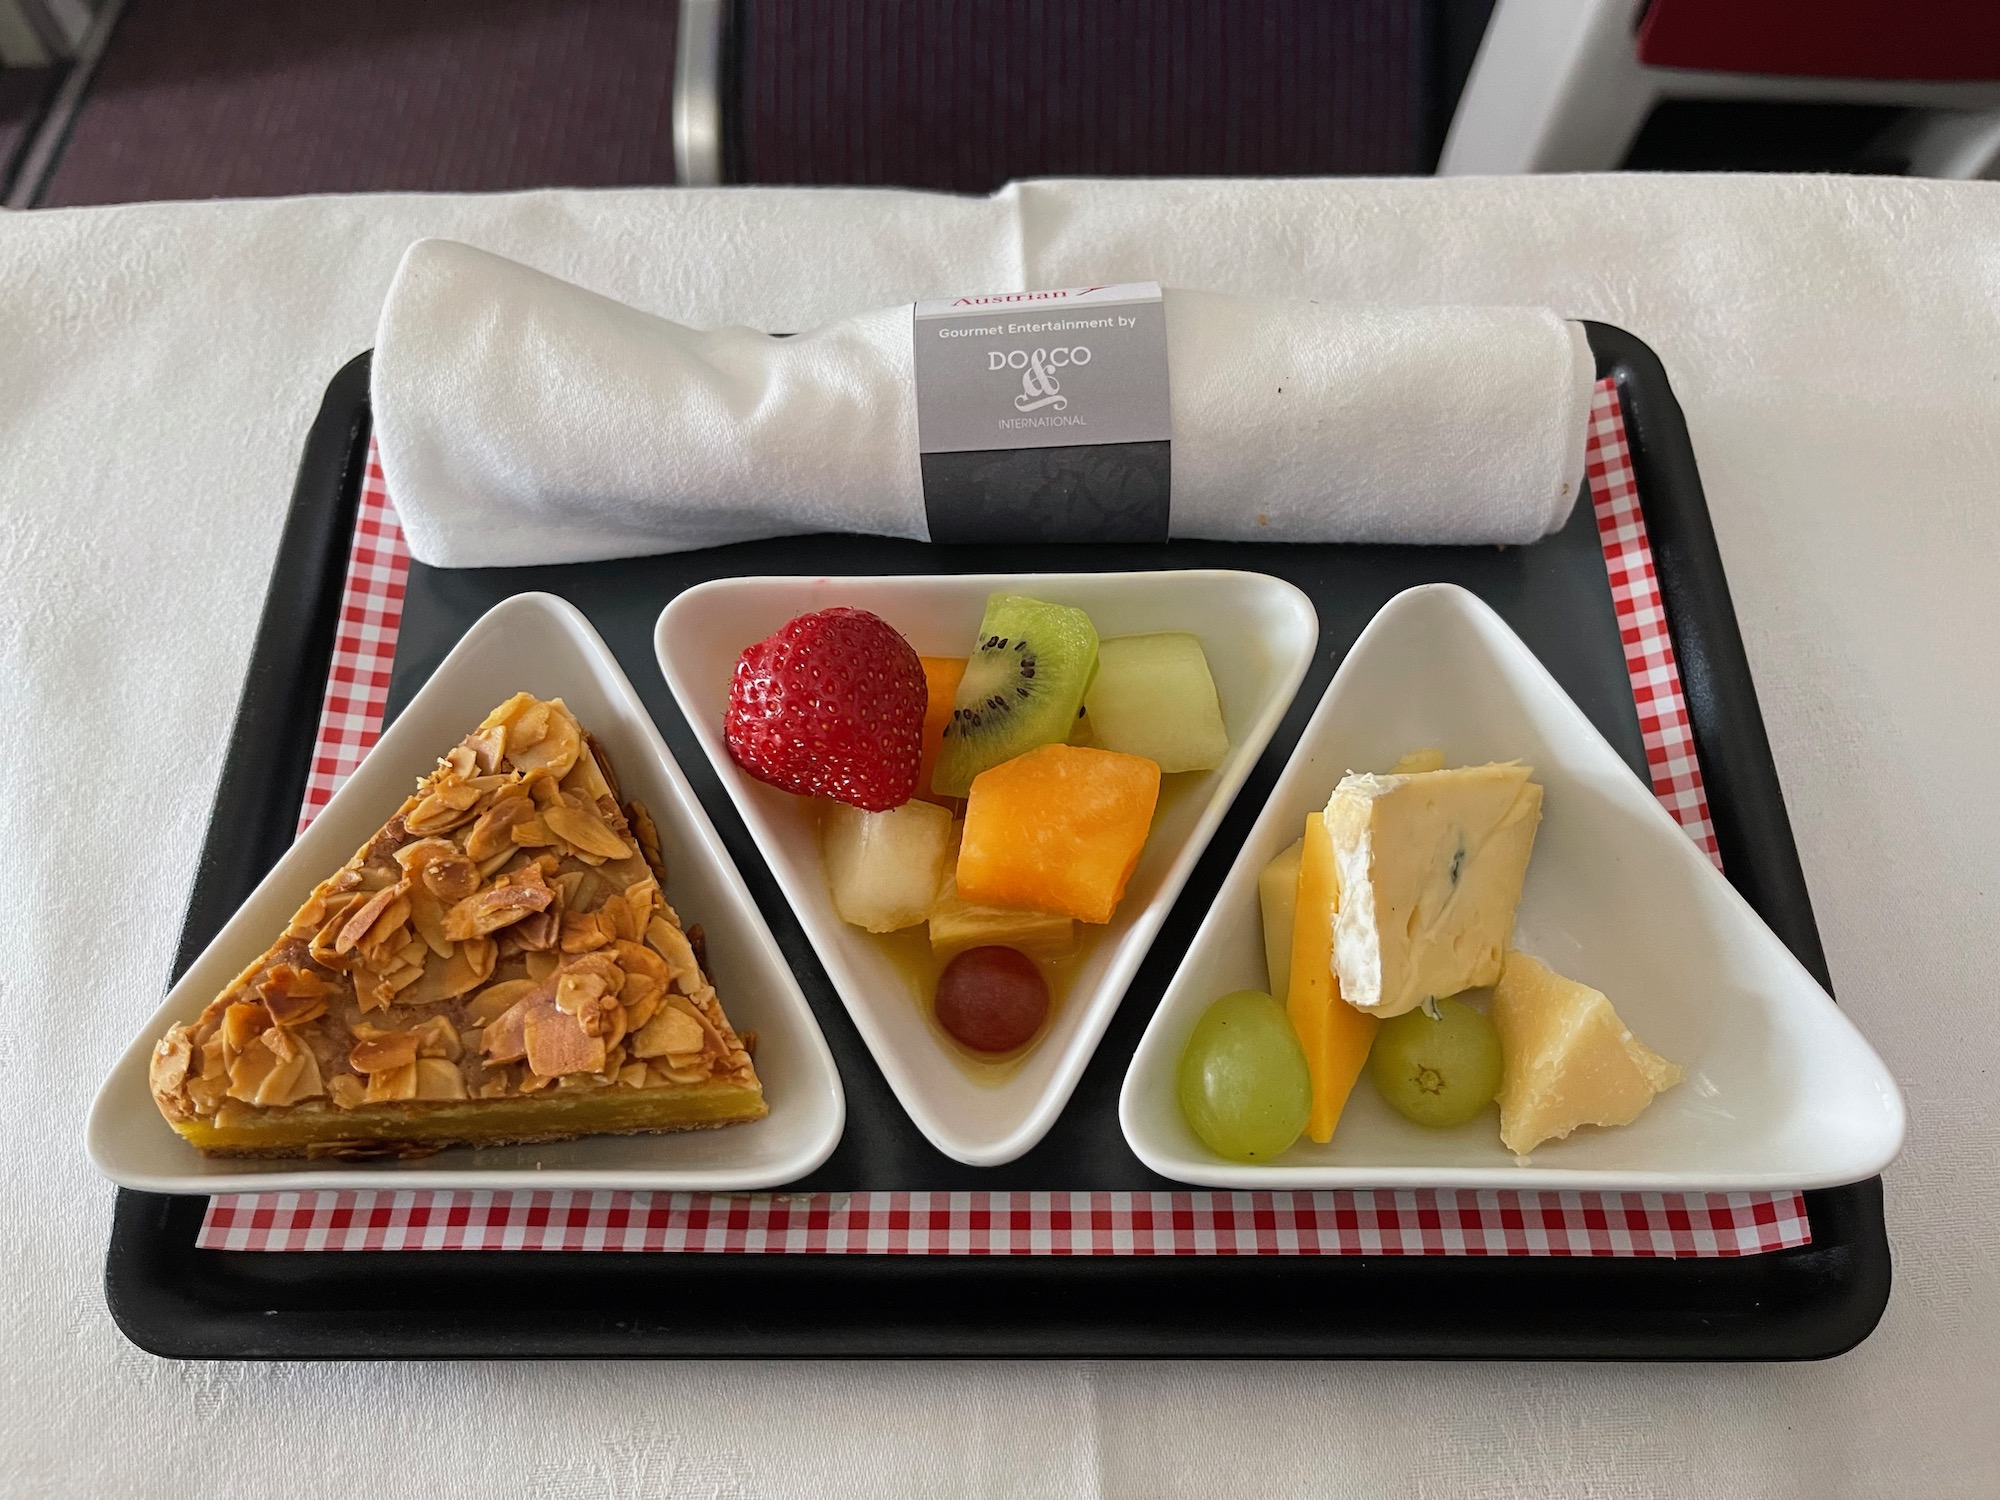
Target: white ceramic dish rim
[[1137, 943], [125, 1083], [1147, 1068]]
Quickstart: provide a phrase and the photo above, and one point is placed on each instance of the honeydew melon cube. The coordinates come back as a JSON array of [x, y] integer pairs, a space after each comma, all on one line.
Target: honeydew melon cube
[[1153, 696]]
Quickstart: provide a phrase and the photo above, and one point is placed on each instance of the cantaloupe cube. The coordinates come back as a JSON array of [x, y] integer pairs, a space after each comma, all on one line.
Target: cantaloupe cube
[[941, 676], [1059, 829]]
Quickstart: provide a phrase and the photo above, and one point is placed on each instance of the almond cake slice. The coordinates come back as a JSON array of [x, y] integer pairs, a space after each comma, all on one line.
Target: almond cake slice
[[497, 964]]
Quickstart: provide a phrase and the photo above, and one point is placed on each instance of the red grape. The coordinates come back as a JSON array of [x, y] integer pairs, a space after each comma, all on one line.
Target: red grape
[[992, 999]]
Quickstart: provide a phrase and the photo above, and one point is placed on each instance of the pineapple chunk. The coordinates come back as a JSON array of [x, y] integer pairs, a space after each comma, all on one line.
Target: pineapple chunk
[[884, 866], [957, 924]]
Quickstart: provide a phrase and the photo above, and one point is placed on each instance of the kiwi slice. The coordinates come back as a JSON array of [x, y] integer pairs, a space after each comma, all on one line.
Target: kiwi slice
[[1022, 687]]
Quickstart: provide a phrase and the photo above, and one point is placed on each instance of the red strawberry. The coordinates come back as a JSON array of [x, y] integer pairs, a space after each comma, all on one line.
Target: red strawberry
[[831, 706]]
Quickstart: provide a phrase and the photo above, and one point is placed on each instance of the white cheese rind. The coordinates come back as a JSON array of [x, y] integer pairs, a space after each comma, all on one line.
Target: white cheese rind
[[1431, 866]]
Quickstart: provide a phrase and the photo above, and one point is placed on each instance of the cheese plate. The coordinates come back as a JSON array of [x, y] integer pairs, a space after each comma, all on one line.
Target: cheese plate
[[1781, 1090]]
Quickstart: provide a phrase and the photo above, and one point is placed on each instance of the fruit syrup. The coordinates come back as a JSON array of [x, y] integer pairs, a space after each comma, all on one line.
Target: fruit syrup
[[910, 952]]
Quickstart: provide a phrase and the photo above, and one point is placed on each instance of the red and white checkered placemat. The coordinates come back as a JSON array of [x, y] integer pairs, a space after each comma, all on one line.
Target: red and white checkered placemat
[[1406, 1222]]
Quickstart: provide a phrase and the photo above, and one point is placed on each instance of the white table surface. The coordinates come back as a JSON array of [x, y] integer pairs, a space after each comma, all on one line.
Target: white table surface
[[1836, 344]]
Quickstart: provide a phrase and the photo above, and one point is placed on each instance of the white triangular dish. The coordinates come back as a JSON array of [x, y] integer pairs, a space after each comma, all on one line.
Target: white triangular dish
[[1781, 1091], [539, 643], [1260, 634]]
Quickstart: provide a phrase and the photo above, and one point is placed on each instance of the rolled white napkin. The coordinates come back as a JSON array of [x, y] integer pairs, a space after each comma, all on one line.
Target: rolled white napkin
[[524, 420]]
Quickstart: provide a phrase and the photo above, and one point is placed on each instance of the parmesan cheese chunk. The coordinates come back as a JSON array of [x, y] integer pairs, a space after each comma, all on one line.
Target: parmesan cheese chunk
[[1566, 1058]]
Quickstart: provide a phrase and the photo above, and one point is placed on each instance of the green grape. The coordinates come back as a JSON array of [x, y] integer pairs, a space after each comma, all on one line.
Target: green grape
[[1440, 1072], [1243, 1081]]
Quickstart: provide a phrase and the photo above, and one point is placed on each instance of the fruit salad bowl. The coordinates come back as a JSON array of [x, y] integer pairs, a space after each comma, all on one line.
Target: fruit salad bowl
[[1259, 634], [1780, 1091]]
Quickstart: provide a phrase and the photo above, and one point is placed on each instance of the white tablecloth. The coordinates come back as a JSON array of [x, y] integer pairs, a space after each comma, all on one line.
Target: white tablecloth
[[1836, 344]]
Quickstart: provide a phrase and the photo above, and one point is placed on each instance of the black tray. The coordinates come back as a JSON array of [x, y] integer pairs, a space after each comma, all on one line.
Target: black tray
[[1811, 1302]]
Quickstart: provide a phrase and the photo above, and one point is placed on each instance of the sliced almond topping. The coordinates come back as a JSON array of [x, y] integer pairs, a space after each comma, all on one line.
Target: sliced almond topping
[[604, 1019], [371, 878], [637, 960], [528, 728], [206, 1094], [417, 855], [531, 833], [462, 761], [491, 834], [640, 1010], [599, 962], [242, 1024], [616, 917], [672, 945], [557, 1044], [585, 832], [427, 917], [495, 907], [509, 711], [321, 947], [647, 835], [542, 965], [574, 991], [470, 966], [383, 1052], [247, 1074], [490, 1002], [488, 747], [401, 977], [669, 1031], [452, 878], [309, 918], [392, 1085], [660, 1073], [357, 926], [290, 1082], [281, 1044], [632, 1075], [438, 1079], [583, 931], [505, 1038], [436, 1037], [172, 1058], [536, 933], [555, 751], [449, 803], [294, 996], [346, 1090]]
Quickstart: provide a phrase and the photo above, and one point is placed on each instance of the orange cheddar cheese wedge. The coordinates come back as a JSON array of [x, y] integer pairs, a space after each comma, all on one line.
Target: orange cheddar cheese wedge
[[1335, 1035]]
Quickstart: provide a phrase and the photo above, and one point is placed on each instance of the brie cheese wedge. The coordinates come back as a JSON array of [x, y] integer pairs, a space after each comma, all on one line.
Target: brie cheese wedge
[[1430, 867]]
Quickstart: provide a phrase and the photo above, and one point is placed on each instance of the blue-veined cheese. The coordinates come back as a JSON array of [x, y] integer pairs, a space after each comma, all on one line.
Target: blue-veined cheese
[[1566, 1058], [1430, 869]]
